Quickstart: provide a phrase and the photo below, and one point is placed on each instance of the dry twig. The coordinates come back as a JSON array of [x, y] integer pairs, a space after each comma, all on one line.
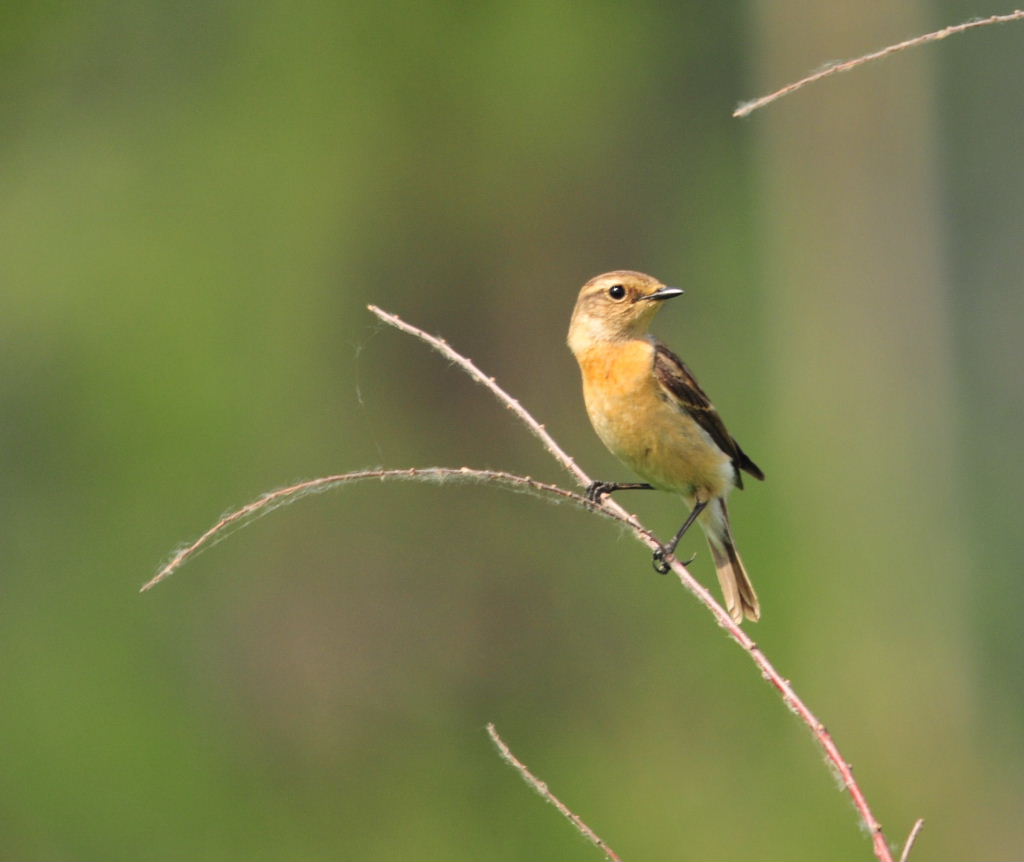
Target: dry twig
[[542, 788], [608, 507], [284, 496], [748, 108], [467, 365], [768, 671], [911, 838]]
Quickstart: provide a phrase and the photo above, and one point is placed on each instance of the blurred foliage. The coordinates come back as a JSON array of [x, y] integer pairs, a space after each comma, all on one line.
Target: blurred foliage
[[199, 201]]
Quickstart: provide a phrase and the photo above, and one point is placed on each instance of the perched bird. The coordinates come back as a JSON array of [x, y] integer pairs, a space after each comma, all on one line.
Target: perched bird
[[648, 409]]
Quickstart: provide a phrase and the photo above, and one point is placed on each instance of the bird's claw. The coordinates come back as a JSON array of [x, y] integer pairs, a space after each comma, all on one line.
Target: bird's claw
[[597, 490], [660, 561]]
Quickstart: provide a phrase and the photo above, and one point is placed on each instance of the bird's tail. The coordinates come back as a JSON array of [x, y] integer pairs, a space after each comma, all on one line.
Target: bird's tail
[[740, 598]]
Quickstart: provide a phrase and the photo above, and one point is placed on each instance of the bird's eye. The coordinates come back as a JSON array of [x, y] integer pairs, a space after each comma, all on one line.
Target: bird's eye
[[616, 291]]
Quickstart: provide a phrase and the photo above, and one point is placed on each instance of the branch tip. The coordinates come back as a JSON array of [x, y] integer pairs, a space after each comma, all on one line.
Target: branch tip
[[542, 788], [911, 839], [747, 108]]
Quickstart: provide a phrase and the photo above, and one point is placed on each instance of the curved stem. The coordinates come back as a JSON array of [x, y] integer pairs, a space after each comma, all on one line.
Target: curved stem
[[911, 838], [284, 496], [608, 507], [467, 365], [767, 669], [748, 108]]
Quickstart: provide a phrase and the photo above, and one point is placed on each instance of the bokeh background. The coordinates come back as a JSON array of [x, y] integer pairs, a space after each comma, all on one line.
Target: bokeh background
[[199, 200]]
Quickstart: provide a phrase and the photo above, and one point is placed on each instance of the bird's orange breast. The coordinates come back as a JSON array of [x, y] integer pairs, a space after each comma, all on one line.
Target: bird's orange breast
[[642, 424]]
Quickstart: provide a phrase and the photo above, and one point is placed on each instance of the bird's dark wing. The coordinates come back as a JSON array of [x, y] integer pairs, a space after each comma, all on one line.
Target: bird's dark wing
[[684, 390]]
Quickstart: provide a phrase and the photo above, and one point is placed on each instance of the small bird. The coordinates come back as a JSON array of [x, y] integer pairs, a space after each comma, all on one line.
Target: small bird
[[651, 413]]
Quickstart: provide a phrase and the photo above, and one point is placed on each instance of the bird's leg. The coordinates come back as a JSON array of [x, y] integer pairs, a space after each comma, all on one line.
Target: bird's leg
[[597, 490], [660, 566]]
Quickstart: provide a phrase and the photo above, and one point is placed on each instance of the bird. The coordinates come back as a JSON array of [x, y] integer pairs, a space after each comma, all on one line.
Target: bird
[[651, 413]]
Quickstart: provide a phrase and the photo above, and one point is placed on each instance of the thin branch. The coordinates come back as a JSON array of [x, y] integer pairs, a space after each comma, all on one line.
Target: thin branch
[[748, 108], [557, 452], [768, 671], [545, 791], [283, 496], [911, 838], [609, 508], [467, 365]]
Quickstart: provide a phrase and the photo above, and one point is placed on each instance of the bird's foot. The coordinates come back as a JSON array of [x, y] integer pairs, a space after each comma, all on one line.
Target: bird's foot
[[596, 491], [661, 557]]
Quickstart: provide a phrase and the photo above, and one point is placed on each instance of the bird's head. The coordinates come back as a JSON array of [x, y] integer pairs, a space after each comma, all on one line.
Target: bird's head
[[614, 306]]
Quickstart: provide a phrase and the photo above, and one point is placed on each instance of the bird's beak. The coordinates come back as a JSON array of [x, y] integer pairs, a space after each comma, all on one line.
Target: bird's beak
[[665, 293]]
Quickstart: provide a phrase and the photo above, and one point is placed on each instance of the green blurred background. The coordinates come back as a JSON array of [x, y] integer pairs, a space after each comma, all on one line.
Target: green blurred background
[[199, 200]]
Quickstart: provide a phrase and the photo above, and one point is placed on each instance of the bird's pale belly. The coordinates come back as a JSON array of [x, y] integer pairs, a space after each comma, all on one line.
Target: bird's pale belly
[[659, 442]]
